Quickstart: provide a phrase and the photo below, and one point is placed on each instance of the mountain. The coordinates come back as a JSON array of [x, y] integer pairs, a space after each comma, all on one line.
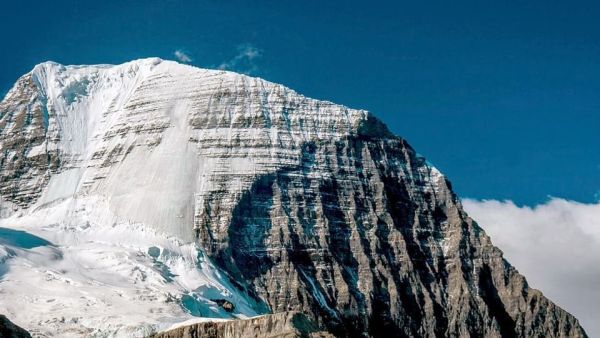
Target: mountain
[[141, 195]]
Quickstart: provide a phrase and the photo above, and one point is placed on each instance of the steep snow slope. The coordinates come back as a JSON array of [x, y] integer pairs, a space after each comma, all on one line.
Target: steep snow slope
[[171, 185], [140, 133]]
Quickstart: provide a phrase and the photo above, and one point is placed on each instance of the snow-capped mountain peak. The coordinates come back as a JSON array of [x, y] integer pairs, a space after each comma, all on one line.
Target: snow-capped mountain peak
[[152, 192]]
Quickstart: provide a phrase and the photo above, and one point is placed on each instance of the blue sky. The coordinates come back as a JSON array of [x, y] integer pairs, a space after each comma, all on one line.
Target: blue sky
[[502, 96]]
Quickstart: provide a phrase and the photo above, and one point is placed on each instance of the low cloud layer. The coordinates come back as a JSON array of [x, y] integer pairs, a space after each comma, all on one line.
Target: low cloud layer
[[244, 61], [182, 56], [556, 245]]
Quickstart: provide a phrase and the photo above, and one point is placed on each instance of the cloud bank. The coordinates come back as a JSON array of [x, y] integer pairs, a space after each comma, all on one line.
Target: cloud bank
[[244, 61], [182, 56], [556, 245]]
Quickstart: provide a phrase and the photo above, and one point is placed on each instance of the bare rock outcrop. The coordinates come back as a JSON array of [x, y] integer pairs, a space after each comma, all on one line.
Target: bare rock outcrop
[[10, 330], [279, 325]]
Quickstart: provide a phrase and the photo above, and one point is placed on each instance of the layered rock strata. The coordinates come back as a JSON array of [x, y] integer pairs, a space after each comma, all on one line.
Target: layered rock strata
[[279, 325]]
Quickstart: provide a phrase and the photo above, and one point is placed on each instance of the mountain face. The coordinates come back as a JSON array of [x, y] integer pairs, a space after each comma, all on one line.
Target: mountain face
[[286, 203]]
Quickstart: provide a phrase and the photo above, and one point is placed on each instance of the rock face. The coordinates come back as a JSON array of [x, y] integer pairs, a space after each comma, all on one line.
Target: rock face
[[10, 330], [279, 325], [309, 206], [26, 161]]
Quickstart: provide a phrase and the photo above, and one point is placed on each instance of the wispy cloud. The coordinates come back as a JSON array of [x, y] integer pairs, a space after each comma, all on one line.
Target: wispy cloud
[[244, 61], [182, 56], [556, 245]]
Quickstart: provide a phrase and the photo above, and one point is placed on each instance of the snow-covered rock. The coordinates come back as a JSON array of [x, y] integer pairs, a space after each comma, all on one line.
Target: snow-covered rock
[[153, 189]]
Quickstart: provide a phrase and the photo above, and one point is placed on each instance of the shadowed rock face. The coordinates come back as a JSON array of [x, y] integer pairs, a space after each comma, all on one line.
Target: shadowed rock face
[[309, 206], [371, 240], [10, 330]]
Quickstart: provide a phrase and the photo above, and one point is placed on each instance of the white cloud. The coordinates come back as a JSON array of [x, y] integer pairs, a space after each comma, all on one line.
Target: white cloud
[[556, 245], [182, 56], [244, 61]]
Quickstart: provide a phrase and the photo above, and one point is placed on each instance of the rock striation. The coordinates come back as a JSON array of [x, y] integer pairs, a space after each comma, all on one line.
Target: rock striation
[[307, 205], [279, 325]]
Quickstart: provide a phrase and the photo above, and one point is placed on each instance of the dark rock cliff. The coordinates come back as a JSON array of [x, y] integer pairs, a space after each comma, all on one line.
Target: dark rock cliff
[[370, 239], [10, 330]]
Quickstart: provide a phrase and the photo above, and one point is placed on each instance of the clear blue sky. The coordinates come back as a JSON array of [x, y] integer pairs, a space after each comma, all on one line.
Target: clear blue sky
[[502, 96]]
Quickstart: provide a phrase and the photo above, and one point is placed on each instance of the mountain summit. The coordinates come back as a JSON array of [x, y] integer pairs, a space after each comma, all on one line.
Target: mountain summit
[[156, 192]]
